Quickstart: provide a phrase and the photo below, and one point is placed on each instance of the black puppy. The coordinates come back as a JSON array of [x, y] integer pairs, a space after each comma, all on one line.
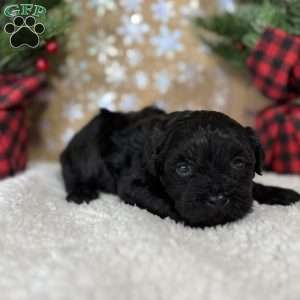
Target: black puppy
[[193, 166]]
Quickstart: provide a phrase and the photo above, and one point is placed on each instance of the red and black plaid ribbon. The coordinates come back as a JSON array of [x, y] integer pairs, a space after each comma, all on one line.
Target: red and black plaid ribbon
[[13, 122], [275, 65], [275, 68], [279, 130]]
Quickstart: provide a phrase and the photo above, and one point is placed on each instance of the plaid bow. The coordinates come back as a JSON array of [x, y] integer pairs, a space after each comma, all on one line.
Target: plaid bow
[[13, 121], [275, 65], [279, 130]]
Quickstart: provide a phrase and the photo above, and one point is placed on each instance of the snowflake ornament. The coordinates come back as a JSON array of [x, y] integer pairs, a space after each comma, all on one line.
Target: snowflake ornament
[[227, 5], [133, 29], [141, 80], [73, 41], [189, 74], [131, 5], [75, 6], [220, 98], [102, 46], [219, 101], [115, 73], [72, 70], [102, 99], [190, 10], [163, 81], [189, 105], [134, 57], [161, 104], [67, 135], [102, 6], [163, 10], [129, 102], [107, 100], [73, 111], [167, 42]]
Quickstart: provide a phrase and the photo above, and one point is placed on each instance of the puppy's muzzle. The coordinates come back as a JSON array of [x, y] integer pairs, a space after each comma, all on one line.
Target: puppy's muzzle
[[217, 201]]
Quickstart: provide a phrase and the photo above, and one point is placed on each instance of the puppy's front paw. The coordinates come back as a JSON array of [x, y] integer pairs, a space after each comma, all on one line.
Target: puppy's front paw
[[285, 196], [82, 195], [274, 195], [282, 196]]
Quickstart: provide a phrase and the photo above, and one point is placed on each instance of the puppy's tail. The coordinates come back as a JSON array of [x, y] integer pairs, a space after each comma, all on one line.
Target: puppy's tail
[[274, 195]]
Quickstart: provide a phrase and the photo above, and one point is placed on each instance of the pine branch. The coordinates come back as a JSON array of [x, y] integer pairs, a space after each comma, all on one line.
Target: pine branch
[[231, 53], [246, 25], [226, 25]]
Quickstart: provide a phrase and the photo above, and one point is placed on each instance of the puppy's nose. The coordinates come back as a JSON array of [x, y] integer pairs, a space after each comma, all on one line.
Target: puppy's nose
[[217, 200]]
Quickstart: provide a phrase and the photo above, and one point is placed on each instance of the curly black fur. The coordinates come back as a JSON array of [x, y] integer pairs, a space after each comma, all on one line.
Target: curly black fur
[[195, 167]]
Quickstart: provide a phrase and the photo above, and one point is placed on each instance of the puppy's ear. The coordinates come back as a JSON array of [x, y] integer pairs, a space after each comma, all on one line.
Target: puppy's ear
[[153, 146], [158, 143], [257, 148]]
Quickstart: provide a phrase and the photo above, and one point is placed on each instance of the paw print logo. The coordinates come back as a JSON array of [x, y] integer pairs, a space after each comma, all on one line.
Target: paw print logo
[[24, 32]]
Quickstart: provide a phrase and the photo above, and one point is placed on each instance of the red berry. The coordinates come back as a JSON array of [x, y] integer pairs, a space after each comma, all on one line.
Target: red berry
[[52, 47], [240, 46], [42, 64]]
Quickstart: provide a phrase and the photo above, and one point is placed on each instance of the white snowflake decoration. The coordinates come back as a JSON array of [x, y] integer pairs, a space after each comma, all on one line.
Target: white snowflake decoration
[[75, 7], [134, 57], [133, 29], [227, 5], [67, 135], [131, 5], [102, 46], [163, 10], [73, 69], [190, 10], [220, 97], [73, 40], [129, 102], [163, 81], [192, 105], [102, 6], [107, 100], [141, 80], [73, 111], [115, 73], [189, 74], [162, 104], [167, 42], [102, 99], [219, 101]]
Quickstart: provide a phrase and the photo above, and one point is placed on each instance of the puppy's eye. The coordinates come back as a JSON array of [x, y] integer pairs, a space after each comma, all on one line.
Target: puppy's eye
[[238, 163], [183, 169]]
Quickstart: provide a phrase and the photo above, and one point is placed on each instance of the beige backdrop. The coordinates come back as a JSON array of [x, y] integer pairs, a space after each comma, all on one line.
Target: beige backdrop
[[127, 54]]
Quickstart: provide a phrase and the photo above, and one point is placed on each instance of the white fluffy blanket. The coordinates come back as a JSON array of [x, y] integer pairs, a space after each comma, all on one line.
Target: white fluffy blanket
[[51, 249]]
